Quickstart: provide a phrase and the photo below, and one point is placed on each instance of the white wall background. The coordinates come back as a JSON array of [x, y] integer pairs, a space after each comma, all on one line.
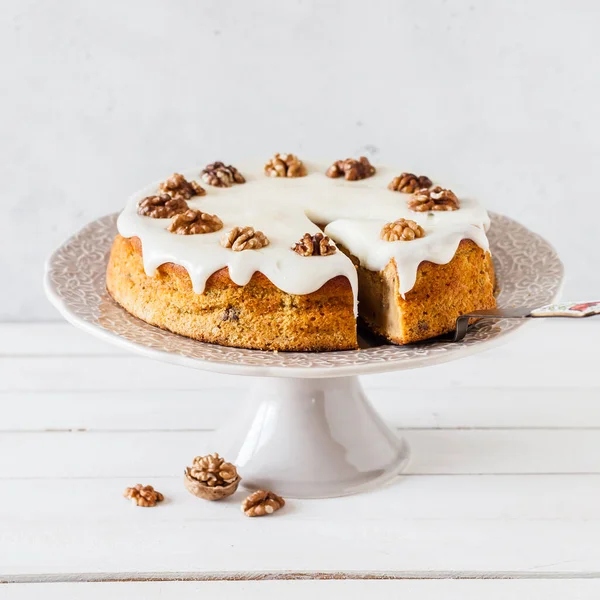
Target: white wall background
[[98, 98]]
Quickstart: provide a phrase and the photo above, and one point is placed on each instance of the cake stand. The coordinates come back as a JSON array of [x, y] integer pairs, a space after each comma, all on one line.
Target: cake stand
[[307, 429]]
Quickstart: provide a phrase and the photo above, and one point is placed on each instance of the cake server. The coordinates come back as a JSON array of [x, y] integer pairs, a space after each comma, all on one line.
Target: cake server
[[563, 309]]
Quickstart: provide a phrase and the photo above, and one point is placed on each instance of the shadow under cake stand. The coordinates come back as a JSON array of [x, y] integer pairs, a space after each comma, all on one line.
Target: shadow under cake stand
[[307, 429]]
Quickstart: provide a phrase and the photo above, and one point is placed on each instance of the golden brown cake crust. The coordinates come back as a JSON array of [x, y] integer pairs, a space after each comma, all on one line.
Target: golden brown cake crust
[[258, 315]]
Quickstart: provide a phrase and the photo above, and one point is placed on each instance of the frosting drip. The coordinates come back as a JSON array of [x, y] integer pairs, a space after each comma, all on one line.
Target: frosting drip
[[285, 209], [437, 246]]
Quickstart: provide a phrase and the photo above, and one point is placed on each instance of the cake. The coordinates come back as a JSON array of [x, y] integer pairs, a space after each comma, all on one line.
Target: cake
[[286, 256]]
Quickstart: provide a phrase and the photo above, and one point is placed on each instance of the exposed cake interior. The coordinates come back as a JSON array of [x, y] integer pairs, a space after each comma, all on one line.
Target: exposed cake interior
[[440, 294]]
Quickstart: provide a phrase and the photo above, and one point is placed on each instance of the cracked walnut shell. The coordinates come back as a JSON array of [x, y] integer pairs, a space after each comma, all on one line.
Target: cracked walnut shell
[[218, 174], [143, 495], [177, 186], [285, 165], [401, 230], [194, 221], [161, 207], [314, 245], [436, 198], [211, 478], [261, 503], [244, 238], [351, 169], [409, 183]]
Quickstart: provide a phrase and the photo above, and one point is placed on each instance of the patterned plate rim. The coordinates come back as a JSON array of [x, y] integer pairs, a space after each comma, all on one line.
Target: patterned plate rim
[[528, 269]]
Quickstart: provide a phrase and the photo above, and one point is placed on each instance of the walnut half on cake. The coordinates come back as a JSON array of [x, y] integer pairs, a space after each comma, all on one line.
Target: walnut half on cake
[[246, 266]]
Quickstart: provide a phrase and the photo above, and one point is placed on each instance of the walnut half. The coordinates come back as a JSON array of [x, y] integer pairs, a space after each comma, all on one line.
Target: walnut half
[[194, 221], [211, 477], [409, 183], [351, 169], [262, 503], [143, 495], [401, 230], [285, 165], [212, 470], [314, 245], [436, 198], [178, 186], [244, 238], [218, 174], [162, 206]]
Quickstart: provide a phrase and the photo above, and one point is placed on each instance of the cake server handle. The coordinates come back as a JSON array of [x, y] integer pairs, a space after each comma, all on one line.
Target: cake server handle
[[561, 309]]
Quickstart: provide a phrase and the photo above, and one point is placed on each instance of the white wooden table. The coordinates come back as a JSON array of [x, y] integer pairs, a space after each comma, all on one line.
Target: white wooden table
[[501, 499]]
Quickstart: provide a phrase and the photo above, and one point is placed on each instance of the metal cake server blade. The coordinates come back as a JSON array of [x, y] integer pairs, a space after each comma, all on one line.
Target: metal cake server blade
[[562, 309]]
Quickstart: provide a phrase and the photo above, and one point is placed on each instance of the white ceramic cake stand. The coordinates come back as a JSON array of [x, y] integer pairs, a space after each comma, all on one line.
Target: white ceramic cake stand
[[307, 430]]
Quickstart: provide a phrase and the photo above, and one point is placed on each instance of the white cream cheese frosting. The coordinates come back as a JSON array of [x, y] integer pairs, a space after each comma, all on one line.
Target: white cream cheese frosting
[[284, 209]]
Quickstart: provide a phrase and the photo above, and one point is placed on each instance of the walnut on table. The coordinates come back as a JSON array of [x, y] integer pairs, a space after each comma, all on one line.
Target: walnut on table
[[244, 238], [143, 495], [194, 221], [314, 245], [218, 174], [262, 503], [401, 230], [409, 183], [177, 186], [285, 165], [211, 477], [436, 198], [212, 470], [351, 169], [162, 206]]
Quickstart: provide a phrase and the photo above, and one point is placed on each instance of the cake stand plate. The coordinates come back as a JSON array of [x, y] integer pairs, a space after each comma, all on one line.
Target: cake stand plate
[[307, 429]]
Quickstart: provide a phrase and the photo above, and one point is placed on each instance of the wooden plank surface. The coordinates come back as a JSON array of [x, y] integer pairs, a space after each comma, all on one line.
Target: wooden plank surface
[[443, 497], [165, 453], [462, 408], [473, 589], [503, 482], [140, 547]]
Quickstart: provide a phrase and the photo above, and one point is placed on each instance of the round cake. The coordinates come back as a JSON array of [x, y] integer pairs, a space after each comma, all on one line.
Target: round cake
[[287, 255]]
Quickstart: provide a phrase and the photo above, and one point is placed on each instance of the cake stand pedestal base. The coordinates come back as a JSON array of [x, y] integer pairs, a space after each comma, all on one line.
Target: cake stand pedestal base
[[311, 438]]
